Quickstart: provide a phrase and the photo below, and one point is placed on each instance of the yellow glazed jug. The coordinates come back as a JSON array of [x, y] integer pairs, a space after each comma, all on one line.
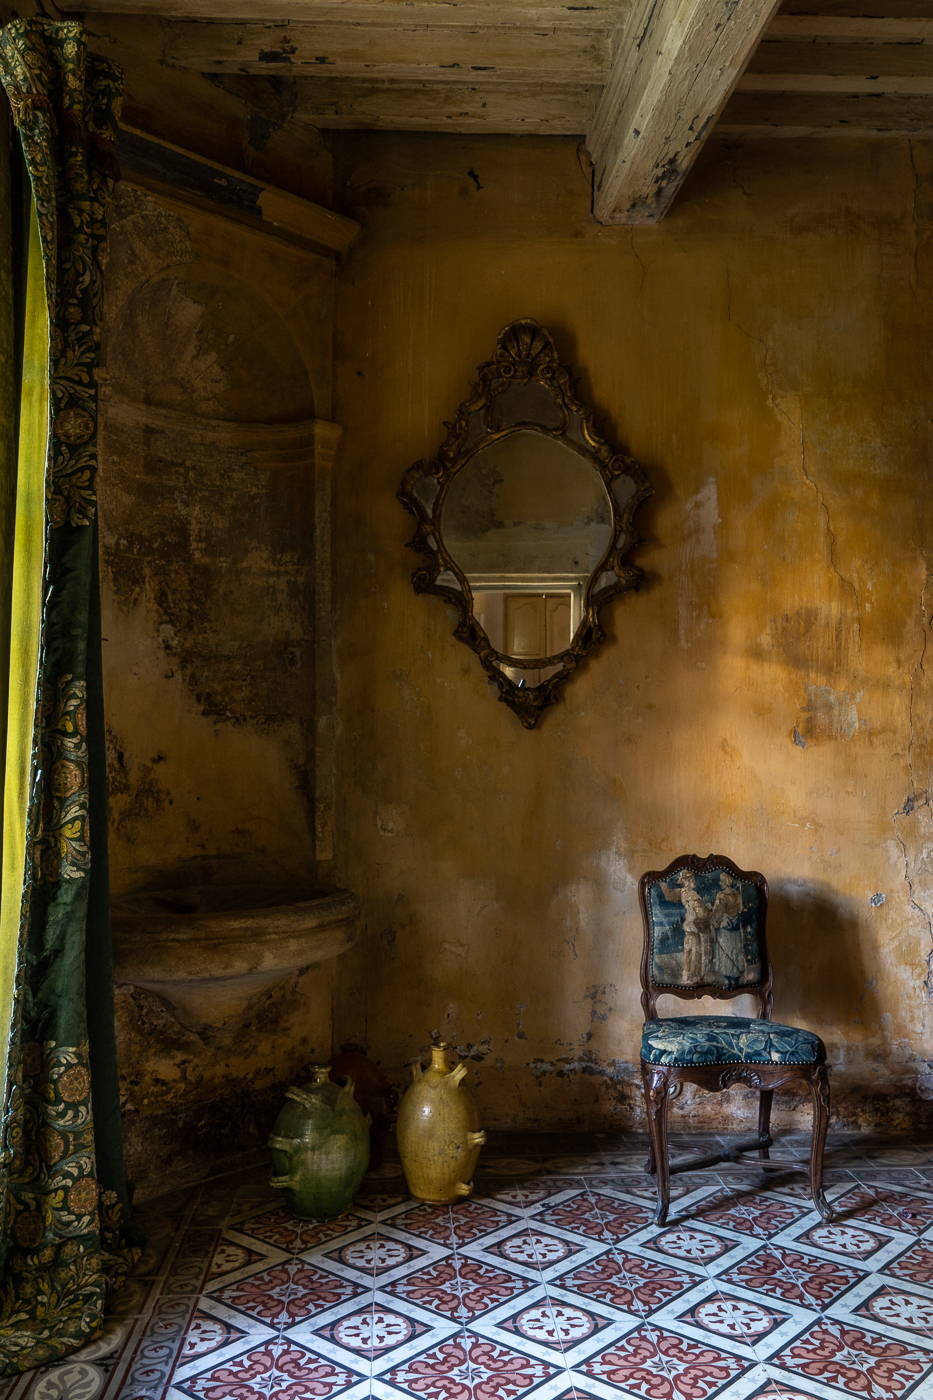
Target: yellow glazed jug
[[439, 1136]]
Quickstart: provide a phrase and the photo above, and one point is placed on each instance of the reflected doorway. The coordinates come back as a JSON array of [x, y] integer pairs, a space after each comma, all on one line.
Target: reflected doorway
[[528, 625]]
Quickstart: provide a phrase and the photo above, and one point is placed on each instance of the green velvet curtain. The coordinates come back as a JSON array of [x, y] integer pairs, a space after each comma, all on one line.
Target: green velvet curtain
[[66, 1233]]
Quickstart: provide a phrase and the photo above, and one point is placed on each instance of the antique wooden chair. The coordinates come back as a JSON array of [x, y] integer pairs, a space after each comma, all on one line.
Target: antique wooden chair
[[704, 926]]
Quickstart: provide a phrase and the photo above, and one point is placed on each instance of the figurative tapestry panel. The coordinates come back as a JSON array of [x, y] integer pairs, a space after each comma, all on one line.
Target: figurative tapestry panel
[[704, 930]]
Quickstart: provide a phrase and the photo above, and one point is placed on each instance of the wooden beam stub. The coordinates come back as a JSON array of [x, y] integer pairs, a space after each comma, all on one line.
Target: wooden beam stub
[[676, 64]]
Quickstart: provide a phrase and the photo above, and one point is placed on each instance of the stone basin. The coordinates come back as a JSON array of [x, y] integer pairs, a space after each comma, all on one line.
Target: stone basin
[[211, 950]]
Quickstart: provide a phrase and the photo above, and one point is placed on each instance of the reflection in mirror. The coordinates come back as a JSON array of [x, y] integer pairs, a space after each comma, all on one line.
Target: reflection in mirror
[[524, 517], [527, 504]]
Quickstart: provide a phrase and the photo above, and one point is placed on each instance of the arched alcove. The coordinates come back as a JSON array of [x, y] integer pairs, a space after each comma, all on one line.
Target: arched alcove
[[198, 341]]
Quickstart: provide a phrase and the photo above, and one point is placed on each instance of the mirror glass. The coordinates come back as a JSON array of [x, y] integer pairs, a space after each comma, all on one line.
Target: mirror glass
[[523, 518], [527, 504], [527, 520]]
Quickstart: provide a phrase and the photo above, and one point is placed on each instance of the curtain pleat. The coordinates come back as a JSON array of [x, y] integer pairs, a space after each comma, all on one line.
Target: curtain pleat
[[66, 1232]]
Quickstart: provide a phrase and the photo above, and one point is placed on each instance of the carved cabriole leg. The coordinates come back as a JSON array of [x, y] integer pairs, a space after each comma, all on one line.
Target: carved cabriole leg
[[651, 1165], [657, 1081], [819, 1092], [765, 1099]]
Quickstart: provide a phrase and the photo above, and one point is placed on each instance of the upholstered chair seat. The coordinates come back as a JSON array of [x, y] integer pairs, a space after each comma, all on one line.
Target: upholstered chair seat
[[727, 1040]]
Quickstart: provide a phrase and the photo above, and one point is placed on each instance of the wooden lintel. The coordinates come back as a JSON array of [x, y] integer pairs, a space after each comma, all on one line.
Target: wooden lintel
[[487, 54], [676, 64], [171, 172], [543, 109]]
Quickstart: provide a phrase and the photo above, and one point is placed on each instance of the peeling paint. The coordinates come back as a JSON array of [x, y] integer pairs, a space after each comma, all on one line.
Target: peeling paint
[[828, 714]]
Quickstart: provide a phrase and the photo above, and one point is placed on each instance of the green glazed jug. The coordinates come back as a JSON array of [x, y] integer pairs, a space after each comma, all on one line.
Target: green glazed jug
[[320, 1148]]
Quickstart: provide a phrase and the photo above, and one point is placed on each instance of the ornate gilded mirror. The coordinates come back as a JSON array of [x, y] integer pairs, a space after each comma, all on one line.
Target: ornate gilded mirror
[[524, 517]]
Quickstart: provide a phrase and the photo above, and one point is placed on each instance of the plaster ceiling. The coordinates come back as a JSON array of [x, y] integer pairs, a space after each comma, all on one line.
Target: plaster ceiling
[[643, 82]]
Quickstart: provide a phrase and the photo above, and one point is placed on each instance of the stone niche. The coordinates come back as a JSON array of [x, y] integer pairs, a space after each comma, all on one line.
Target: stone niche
[[216, 450]]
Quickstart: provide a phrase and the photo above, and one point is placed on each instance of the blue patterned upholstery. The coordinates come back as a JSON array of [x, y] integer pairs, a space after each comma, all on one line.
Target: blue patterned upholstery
[[704, 930], [726, 1040]]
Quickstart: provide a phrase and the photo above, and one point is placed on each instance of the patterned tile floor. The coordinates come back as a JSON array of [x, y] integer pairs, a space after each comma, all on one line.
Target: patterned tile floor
[[551, 1281]]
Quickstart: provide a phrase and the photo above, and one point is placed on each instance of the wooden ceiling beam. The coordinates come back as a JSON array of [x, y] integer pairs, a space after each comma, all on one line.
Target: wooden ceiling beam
[[542, 109], [838, 29], [841, 60], [904, 86], [409, 53], [838, 73], [599, 16], [676, 64], [798, 115]]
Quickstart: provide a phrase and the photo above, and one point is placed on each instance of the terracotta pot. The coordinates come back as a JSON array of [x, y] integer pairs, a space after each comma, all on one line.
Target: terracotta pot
[[320, 1148], [374, 1093], [439, 1136]]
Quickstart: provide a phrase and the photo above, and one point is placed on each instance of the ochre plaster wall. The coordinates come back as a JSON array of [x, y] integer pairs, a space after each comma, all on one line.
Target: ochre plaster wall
[[765, 353]]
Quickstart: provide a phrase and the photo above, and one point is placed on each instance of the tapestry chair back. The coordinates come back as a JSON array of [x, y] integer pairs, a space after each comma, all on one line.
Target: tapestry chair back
[[705, 933]]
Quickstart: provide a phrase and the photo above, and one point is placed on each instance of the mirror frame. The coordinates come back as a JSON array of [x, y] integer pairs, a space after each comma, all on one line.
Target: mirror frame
[[524, 353]]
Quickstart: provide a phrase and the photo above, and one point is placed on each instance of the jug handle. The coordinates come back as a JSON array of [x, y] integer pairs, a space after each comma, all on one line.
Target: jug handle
[[299, 1096], [477, 1139], [283, 1144], [457, 1074]]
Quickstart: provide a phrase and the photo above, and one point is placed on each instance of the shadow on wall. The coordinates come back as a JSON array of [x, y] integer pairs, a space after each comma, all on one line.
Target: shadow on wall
[[820, 978], [813, 940]]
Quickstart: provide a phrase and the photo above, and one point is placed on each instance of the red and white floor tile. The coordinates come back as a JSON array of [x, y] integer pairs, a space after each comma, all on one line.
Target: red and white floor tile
[[551, 1282]]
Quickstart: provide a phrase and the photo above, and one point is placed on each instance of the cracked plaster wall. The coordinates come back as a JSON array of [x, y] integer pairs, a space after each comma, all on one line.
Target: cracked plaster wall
[[765, 353], [207, 576]]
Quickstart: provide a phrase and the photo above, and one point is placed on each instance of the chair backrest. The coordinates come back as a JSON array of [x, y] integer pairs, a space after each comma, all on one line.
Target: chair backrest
[[704, 922]]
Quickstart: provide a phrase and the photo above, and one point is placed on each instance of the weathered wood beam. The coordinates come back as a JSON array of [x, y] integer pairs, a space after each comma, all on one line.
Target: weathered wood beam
[[897, 9], [910, 86], [840, 60], [597, 15], [676, 65], [170, 171], [794, 116], [342, 51], [846, 28], [542, 109]]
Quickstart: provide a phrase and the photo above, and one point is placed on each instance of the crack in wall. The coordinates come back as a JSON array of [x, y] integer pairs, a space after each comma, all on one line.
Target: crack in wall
[[767, 354], [734, 164], [910, 806], [913, 800], [644, 273], [915, 285], [821, 500]]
